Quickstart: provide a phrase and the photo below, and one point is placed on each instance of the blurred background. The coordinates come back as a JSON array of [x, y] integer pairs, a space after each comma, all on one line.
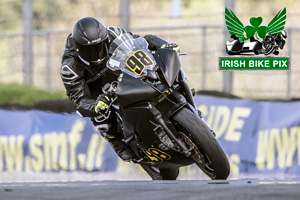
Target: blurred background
[[32, 39], [33, 33]]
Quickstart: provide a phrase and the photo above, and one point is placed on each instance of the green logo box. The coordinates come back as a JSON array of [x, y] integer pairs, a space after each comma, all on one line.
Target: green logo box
[[254, 63]]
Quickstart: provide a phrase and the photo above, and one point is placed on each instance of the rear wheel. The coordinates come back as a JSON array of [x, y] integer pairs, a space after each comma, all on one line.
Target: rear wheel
[[169, 173], [153, 172], [207, 153], [161, 173]]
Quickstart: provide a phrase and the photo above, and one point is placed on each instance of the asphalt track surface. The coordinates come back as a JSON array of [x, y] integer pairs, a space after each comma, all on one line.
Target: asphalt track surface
[[154, 190]]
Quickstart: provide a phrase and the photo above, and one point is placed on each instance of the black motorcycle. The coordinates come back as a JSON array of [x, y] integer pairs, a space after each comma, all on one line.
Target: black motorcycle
[[157, 113], [273, 42]]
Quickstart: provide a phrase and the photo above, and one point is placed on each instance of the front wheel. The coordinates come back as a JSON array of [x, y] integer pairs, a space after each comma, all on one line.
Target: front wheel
[[207, 153]]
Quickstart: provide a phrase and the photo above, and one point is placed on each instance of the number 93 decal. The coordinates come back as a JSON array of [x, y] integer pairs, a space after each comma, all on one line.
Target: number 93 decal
[[138, 61], [156, 154]]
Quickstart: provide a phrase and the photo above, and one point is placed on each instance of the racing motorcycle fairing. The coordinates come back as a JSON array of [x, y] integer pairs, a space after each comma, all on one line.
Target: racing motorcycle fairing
[[136, 122], [140, 124], [132, 90], [135, 96], [181, 76], [157, 112], [169, 63]]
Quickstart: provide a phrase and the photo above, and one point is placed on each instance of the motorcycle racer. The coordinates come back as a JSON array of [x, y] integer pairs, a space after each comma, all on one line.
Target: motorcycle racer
[[84, 73]]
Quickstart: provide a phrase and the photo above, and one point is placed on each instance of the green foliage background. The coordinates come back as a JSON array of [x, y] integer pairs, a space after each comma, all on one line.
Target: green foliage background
[[27, 95], [59, 16]]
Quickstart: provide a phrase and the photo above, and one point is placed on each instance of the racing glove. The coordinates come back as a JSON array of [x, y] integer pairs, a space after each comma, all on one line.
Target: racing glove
[[102, 103], [173, 46]]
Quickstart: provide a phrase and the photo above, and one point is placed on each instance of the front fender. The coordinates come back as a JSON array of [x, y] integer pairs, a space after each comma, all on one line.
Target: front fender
[[176, 107]]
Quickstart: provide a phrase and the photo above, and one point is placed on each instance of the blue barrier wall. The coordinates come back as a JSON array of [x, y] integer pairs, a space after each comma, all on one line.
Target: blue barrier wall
[[41, 141], [258, 137]]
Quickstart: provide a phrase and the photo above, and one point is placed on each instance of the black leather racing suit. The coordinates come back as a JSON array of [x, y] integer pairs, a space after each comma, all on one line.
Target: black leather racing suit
[[83, 82]]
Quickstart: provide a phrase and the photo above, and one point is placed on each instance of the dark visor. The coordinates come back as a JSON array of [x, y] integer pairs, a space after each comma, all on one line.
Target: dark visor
[[92, 53]]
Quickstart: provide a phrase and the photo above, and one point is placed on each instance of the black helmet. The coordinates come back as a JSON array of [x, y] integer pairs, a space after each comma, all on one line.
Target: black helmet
[[91, 38]]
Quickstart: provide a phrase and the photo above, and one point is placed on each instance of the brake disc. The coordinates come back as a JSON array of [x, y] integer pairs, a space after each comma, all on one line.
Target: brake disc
[[195, 151]]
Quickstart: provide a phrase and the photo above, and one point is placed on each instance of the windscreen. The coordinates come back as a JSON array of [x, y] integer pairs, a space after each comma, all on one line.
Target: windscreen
[[130, 56]]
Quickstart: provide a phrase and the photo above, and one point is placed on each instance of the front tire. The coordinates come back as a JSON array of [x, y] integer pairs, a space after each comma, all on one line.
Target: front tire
[[211, 157]]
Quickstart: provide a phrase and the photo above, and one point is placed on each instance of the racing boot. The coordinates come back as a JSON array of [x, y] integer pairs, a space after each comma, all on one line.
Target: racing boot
[[114, 138], [122, 150]]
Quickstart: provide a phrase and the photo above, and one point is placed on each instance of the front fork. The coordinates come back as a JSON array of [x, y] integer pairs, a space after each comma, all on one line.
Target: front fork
[[189, 95], [181, 79], [170, 131], [187, 98]]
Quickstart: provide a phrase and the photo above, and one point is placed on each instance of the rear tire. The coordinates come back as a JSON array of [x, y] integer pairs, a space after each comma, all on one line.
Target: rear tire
[[214, 162], [161, 173], [169, 173], [153, 172]]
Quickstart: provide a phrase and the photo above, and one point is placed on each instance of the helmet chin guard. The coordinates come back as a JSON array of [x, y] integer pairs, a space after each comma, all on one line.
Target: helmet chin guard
[[100, 61]]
